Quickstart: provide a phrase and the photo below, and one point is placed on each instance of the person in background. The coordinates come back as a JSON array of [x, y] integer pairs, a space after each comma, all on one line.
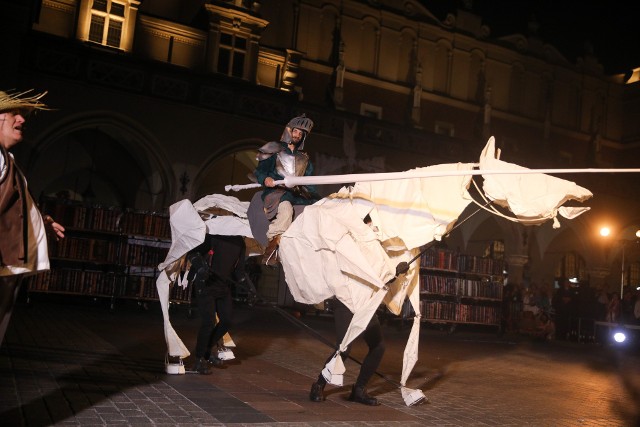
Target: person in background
[[636, 308], [215, 265], [614, 309], [276, 160], [562, 305], [530, 300], [627, 305], [603, 304], [23, 229], [545, 328]]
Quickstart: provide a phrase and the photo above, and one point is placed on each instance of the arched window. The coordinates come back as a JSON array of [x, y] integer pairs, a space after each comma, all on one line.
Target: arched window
[[494, 250], [571, 266]]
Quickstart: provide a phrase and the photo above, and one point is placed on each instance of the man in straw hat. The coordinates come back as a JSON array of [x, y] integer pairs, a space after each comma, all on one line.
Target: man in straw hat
[[23, 241]]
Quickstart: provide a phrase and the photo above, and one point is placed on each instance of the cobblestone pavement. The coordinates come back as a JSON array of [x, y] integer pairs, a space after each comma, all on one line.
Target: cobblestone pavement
[[78, 364]]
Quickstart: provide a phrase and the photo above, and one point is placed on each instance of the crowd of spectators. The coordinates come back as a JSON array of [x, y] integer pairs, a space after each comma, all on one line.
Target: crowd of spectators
[[568, 311]]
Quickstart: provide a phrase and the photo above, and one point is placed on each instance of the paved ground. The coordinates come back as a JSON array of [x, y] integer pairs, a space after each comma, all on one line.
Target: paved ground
[[75, 363]]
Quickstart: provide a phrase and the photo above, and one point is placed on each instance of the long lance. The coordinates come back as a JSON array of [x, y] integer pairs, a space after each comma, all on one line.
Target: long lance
[[292, 181]]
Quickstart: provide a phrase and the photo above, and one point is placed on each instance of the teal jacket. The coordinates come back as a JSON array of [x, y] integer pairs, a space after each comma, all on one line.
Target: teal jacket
[[267, 168]]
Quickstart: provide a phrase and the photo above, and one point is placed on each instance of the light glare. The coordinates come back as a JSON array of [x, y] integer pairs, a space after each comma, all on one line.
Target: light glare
[[619, 337]]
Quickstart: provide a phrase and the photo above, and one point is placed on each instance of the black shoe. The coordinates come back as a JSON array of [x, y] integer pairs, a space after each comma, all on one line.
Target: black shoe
[[215, 361], [316, 394], [202, 367], [359, 394]]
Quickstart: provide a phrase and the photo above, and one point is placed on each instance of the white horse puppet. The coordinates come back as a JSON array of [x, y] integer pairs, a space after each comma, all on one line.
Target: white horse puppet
[[329, 251]]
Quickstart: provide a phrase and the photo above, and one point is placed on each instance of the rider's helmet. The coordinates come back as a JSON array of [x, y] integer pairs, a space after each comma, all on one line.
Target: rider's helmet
[[303, 123]]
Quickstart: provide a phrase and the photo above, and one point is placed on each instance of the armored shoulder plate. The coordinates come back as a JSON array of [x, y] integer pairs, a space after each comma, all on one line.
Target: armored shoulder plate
[[268, 150]]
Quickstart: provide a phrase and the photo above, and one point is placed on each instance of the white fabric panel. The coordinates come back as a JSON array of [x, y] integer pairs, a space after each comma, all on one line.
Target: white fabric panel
[[187, 231], [534, 197], [228, 226], [229, 203]]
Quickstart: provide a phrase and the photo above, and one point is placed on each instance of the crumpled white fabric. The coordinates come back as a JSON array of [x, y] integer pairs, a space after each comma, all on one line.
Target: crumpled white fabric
[[228, 226], [229, 203], [535, 198], [175, 346], [327, 251], [334, 370], [188, 231]]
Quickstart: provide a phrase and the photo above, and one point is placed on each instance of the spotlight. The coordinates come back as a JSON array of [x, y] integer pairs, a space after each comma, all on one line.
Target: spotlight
[[619, 337]]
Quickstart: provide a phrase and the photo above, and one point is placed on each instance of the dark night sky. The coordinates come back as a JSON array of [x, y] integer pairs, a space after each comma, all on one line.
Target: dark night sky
[[610, 26]]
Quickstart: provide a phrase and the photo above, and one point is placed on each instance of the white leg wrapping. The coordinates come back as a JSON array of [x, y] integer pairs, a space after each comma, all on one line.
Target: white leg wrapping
[[333, 372], [412, 396]]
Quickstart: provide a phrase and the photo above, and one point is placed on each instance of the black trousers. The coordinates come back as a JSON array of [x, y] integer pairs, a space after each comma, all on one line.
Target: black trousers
[[372, 336], [9, 289], [210, 331]]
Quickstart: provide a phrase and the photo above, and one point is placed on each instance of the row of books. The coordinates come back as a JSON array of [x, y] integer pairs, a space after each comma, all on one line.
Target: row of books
[[467, 313], [146, 224], [440, 259], [85, 249], [144, 255], [140, 287], [447, 285], [109, 219], [99, 283], [82, 216], [446, 259], [178, 293], [474, 264], [144, 287], [83, 282]]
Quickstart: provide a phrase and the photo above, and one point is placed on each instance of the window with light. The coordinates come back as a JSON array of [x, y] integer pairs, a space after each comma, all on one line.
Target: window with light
[[107, 21]]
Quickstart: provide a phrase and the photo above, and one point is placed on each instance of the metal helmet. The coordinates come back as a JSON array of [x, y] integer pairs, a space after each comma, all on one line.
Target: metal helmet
[[303, 123]]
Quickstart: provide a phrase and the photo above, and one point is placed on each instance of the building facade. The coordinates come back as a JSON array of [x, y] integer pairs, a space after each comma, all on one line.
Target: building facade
[[160, 100]]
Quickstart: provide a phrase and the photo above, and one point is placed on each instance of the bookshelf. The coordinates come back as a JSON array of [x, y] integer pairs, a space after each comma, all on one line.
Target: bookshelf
[[460, 289], [107, 252], [141, 256]]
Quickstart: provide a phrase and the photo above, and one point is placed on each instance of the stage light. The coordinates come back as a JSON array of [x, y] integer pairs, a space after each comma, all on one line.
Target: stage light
[[619, 337]]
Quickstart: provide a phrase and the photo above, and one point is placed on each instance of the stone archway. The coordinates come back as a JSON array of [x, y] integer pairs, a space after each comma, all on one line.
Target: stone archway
[[229, 165], [102, 157], [549, 246]]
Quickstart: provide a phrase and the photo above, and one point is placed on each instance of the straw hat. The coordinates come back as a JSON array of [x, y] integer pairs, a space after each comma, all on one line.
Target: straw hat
[[20, 102]]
